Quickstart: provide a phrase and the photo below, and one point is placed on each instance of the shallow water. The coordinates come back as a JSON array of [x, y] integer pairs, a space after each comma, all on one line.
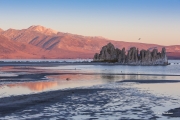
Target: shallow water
[[118, 99]]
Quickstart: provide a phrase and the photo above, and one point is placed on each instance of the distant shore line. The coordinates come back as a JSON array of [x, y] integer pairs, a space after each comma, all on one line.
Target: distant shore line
[[29, 63], [40, 63]]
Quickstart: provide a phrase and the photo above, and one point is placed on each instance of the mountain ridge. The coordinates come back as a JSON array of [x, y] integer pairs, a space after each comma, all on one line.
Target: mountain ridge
[[56, 44], [42, 29]]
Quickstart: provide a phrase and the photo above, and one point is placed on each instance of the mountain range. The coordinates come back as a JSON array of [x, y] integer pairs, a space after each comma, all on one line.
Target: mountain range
[[38, 42]]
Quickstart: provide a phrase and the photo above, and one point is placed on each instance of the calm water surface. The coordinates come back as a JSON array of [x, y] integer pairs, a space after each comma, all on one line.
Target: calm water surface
[[119, 99]]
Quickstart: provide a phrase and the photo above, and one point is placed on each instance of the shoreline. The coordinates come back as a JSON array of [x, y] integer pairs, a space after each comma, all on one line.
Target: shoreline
[[42, 75], [71, 63]]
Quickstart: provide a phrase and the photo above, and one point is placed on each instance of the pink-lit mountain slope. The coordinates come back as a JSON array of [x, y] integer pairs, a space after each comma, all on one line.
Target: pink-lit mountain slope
[[53, 44]]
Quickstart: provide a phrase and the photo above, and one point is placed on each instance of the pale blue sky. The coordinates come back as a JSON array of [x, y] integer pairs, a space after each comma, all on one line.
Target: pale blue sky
[[154, 21]]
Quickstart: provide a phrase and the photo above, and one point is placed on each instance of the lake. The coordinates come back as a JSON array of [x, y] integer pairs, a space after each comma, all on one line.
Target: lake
[[70, 91]]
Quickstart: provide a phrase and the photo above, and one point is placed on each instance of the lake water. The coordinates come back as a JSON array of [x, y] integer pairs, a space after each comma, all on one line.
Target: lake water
[[89, 91]]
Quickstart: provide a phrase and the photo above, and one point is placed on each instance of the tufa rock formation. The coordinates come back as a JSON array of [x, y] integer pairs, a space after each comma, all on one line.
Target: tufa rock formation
[[109, 53]]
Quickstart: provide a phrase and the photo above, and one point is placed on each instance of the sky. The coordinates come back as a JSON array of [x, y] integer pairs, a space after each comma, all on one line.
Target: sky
[[154, 21]]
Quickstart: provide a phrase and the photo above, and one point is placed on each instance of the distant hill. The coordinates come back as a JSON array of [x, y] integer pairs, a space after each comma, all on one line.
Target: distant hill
[[42, 42]]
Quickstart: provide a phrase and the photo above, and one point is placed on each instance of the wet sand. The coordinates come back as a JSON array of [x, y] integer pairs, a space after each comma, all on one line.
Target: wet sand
[[94, 102], [173, 112], [12, 104]]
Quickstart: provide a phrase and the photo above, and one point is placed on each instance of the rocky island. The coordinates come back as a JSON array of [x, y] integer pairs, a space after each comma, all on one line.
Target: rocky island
[[109, 53]]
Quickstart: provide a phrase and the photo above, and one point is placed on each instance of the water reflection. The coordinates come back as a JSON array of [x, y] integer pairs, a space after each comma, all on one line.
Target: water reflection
[[171, 89], [82, 76], [36, 86], [109, 78], [54, 82], [79, 80]]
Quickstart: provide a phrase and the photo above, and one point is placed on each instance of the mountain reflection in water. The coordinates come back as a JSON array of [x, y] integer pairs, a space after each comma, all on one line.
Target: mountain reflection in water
[[36, 86]]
